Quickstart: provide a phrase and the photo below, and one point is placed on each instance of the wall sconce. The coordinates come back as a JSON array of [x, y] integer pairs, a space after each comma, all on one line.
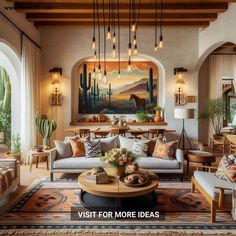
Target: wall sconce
[[180, 96], [56, 96]]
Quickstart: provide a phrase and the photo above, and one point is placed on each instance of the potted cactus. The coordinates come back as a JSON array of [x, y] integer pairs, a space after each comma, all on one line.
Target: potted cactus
[[45, 128]]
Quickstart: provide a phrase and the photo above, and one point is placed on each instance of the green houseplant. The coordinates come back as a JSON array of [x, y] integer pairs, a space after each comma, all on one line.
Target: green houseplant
[[45, 128], [214, 112], [15, 147], [142, 116]]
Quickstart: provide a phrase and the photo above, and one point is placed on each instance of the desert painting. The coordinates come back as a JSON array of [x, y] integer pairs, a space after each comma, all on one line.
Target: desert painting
[[132, 91]]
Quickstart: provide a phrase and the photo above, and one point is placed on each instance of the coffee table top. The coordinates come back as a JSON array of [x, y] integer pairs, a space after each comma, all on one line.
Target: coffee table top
[[116, 188]]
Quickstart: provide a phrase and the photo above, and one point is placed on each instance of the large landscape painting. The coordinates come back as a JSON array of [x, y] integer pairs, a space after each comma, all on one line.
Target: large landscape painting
[[132, 91]]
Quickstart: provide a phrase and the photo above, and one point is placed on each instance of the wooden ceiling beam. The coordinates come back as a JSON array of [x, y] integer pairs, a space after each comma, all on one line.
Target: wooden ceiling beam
[[88, 7], [143, 23], [123, 16]]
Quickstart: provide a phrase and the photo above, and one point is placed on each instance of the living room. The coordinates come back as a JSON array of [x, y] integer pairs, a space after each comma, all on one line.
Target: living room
[[120, 107]]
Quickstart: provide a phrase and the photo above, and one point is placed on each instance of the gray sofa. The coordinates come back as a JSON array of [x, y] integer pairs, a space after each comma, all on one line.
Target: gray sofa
[[78, 165]]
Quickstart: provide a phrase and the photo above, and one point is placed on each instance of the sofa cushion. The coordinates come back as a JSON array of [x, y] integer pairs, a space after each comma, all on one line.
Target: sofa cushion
[[107, 144], [227, 168], [209, 181], [64, 149], [77, 146], [140, 148], [157, 163], [77, 163], [93, 149], [126, 143], [165, 150]]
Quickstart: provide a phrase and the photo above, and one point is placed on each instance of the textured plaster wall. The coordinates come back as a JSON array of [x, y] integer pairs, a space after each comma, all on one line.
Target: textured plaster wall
[[65, 46]]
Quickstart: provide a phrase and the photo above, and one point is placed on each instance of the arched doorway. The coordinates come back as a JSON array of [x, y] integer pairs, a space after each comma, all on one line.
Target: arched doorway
[[10, 62], [217, 71]]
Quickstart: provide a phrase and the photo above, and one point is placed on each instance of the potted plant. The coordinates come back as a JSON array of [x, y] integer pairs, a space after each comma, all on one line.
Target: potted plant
[[15, 148], [142, 116], [45, 128], [118, 159], [158, 117], [214, 112]]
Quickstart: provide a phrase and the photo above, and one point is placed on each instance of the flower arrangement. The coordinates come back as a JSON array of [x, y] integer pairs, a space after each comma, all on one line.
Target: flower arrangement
[[118, 157]]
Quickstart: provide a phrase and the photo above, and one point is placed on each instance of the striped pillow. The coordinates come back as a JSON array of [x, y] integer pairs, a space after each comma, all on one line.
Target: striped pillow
[[140, 148], [93, 149], [227, 168]]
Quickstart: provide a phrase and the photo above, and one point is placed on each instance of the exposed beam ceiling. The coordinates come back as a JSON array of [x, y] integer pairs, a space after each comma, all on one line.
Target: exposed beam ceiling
[[193, 13]]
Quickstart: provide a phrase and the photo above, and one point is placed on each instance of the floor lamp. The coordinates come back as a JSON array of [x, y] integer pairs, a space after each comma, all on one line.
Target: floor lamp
[[183, 113]]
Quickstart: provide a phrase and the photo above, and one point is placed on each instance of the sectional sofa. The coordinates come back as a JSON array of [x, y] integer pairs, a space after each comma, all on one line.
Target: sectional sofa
[[80, 164]]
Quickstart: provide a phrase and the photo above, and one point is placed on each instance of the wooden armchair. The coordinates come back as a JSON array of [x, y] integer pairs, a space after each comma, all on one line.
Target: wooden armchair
[[231, 138], [216, 191], [218, 143]]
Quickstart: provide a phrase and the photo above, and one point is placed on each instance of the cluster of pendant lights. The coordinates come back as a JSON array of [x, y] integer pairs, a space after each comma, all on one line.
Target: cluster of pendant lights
[[111, 32]]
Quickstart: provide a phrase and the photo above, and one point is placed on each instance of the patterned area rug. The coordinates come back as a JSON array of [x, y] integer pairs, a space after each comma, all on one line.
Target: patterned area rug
[[45, 207]]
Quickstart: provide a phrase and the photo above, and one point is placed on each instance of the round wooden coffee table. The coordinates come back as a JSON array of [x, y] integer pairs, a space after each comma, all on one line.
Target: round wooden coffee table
[[116, 195], [197, 156]]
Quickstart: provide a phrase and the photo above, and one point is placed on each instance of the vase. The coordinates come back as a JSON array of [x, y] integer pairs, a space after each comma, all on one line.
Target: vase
[[157, 117], [117, 170]]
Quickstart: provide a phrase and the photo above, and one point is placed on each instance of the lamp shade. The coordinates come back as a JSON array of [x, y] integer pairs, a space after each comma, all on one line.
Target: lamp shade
[[183, 113]]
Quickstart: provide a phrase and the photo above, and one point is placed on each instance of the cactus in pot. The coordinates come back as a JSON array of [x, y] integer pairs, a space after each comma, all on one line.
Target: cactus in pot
[[45, 128]]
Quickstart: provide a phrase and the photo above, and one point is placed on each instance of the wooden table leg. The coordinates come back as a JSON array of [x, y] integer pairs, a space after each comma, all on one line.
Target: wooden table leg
[[37, 161], [47, 162], [187, 167], [31, 160]]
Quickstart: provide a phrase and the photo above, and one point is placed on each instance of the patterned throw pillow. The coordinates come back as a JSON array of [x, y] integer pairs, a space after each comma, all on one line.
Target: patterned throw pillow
[[93, 149], [140, 148], [227, 168], [165, 150], [77, 146], [126, 143], [107, 144], [63, 149]]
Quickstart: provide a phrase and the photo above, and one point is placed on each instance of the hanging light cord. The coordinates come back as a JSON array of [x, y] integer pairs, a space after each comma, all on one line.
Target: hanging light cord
[[118, 18], [104, 27], [99, 46], [94, 18], [161, 17], [137, 19], [109, 13], [156, 23], [129, 21]]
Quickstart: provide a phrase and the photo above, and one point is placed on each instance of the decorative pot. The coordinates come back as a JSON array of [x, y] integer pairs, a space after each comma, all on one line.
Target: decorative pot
[[157, 117], [117, 170], [46, 142]]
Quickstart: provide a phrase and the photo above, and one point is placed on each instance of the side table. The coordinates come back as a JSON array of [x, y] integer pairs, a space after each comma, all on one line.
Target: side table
[[198, 156], [34, 154]]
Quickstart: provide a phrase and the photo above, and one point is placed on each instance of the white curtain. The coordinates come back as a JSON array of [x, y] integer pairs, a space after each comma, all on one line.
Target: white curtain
[[29, 95]]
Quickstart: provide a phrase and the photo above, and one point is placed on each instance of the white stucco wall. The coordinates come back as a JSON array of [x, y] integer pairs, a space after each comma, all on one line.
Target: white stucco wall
[[220, 31], [65, 46]]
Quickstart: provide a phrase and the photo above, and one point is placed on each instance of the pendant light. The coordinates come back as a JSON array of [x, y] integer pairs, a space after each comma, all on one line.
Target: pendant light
[[94, 71], [109, 21], [118, 18], [161, 24], [114, 31], [136, 28], [155, 46], [129, 68], [99, 45], [94, 39], [104, 48]]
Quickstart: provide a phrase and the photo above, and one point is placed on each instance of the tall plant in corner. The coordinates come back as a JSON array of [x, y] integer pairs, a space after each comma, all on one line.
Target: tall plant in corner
[[45, 128], [214, 112]]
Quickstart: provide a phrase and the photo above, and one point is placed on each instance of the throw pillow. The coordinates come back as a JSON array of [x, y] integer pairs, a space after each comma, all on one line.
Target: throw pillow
[[107, 144], [140, 148], [151, 144], [126, 143], [165, 150], [63, 149], [227, 168], [78, 148], [93, 149]]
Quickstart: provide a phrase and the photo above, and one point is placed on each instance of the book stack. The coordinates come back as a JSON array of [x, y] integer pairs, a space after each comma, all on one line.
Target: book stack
[[99, 178]]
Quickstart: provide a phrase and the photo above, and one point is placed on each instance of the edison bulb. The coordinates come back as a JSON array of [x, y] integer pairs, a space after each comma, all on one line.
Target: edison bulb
[[118, 74], [135, 49], [93, 44], [109, 33], [133, 28], [135, 40], [156, 47], [160, 44], [114, 51], [114, 38], [95, 55], [105, 78], [129, 50]]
